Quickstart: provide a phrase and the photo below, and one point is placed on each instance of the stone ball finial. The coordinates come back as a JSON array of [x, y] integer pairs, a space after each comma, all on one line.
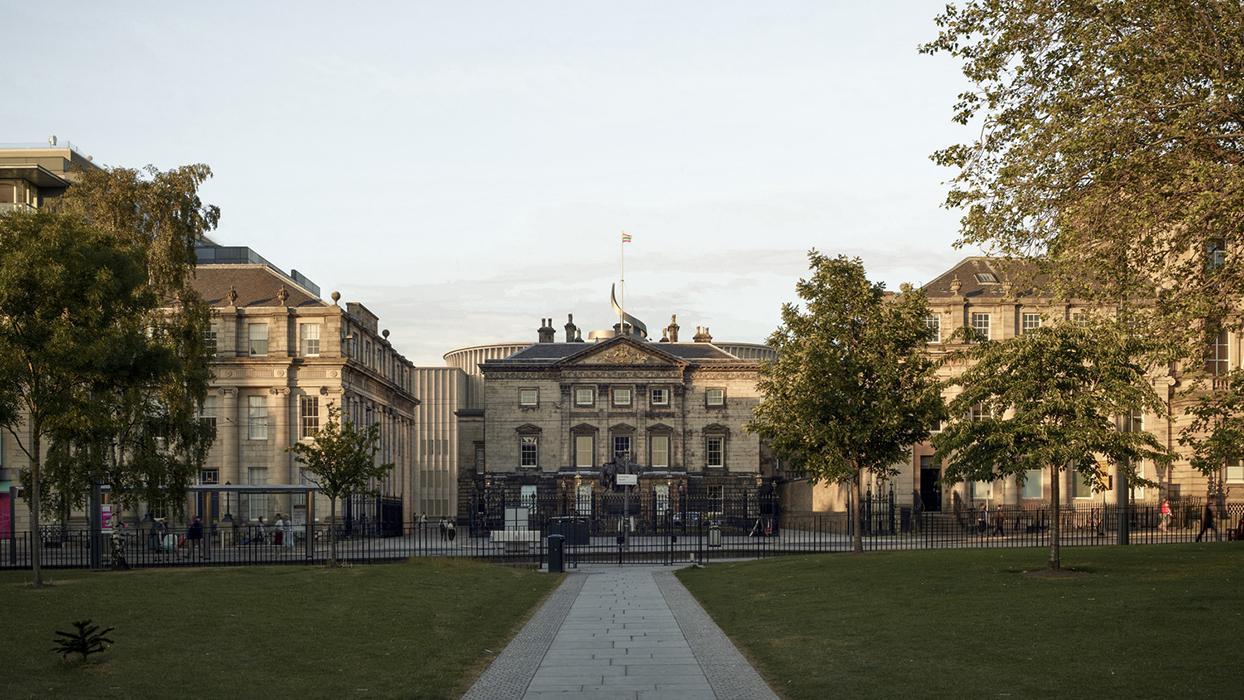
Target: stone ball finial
[[385, 333], [336, 295], [233, 296]]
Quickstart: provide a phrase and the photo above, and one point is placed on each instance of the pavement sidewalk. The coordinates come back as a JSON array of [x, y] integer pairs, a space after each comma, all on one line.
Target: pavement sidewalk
[[620, 632]]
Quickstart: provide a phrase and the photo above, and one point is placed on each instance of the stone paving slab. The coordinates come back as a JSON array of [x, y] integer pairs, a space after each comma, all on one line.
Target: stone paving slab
[[510, 673], [614, 632], [729, 673]]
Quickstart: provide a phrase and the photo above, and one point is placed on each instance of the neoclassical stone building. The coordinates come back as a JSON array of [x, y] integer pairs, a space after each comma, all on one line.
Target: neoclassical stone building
[[282, 356], [1002, 299], [554, 412]]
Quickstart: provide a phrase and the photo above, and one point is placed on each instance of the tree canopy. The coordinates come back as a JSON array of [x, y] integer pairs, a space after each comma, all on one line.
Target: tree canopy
[[70, 295], [1048, 400], [1109, 139], [1215, 437], [853, 386], [341, 461]]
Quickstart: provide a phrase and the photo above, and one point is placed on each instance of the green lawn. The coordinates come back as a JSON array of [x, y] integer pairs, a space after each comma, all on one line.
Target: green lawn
[[1144, 621], [420, 629]]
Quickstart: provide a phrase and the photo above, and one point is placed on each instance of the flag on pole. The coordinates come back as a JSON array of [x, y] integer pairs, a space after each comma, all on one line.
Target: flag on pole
[[626, 237]]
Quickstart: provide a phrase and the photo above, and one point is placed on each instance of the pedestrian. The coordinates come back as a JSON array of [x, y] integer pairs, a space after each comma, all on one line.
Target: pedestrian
[[1207, 523], [444, 530], [982, 518], [1164, 515], [999, 521], [289, 532], [194, 538], [261, 532], [278, 530]]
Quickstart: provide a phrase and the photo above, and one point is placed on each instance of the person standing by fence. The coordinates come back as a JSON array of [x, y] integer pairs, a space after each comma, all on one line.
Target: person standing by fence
[[999, 521], [194, 538], [1207, 523], [289, 532], [1164, 515]]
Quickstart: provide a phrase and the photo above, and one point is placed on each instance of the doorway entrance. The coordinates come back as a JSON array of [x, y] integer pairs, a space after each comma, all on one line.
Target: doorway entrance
[[930, 487]]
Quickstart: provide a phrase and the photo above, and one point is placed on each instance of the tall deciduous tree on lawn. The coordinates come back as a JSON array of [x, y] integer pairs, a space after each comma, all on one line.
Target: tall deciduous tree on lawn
[[1049, 400], [141, 433], [853, 386], [341, 461], [1108, 139], [69, 295]]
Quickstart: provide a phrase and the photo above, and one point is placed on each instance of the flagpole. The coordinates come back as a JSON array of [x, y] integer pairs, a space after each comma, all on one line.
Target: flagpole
[[622, 284]]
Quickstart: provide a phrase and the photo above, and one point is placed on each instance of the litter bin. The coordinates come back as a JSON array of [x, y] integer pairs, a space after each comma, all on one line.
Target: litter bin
[[557, 545], [714, 535]]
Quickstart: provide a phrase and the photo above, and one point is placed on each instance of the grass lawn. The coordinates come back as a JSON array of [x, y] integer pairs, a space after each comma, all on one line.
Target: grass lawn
[[425, 628], [1143, 621]]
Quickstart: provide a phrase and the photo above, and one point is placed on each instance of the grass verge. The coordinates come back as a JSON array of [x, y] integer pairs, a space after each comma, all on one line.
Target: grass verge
[[425, 628], [1143, 621]]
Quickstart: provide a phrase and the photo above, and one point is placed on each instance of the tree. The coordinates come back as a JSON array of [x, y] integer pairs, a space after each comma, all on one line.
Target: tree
[[1110, 144], [141, 433], [341, 461], [853, 386], [69, 294], [1049, 400], [1216, 434]]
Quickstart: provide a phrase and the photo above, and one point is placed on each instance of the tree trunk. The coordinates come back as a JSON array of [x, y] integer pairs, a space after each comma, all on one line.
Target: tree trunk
[[857, 538], [36, 537], [1055, 520], [332, 532]]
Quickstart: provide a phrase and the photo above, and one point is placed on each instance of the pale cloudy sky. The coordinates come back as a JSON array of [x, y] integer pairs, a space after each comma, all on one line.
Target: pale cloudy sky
[[465, 168]]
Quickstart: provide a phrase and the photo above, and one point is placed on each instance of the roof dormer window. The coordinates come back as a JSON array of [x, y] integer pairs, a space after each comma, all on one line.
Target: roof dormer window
[[986, 278]]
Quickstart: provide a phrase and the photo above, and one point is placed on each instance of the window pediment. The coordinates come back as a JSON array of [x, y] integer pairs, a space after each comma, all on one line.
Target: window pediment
[[528, 429], [716, 429], [583, 428], [622, 428]]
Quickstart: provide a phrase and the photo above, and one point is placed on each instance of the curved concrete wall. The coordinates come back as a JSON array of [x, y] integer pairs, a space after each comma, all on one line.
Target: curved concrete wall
[[468, 360]]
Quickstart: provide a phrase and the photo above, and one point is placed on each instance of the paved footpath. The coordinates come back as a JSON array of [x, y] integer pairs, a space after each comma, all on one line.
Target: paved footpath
[[620, 632]]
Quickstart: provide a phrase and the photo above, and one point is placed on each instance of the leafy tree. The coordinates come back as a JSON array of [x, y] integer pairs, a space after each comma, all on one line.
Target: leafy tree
[[1111, 139], [1048, 400], [341, 461], [1216, 434], [141, 433], [853, 386], [68, 297]]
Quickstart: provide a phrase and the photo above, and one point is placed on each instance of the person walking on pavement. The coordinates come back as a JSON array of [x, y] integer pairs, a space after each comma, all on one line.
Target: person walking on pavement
[[1164, 515], [1207, 523]]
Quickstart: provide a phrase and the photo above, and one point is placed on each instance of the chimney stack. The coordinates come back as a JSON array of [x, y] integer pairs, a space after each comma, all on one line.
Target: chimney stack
[[672, 329], [546, 332], [570, 328], [702, 335]]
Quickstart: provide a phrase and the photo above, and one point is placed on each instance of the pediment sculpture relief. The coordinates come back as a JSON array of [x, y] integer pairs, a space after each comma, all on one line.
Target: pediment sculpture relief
[[622, 355]]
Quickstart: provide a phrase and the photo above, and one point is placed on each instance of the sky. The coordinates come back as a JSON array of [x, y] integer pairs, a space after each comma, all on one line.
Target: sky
[[465, 169]]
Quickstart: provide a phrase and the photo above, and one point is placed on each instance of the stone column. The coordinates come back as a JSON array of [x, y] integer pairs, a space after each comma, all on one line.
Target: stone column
[[228, 429], [279, 431]]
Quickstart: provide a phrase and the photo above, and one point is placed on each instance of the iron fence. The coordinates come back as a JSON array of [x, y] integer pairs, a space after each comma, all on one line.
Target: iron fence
[[612, 529]]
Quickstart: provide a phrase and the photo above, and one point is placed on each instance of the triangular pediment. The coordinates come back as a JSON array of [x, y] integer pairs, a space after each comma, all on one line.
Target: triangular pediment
[[621, 352]]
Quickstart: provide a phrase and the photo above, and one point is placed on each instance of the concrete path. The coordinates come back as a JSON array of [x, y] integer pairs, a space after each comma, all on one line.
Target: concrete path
[[621, 632]]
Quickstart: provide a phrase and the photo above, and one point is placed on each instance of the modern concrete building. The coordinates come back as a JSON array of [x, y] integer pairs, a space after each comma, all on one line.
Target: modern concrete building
[[31, 175]]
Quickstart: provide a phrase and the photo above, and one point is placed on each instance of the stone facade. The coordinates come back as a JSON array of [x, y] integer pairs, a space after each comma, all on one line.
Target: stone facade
[[282, 357], [1002, 299], [554, 413]]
